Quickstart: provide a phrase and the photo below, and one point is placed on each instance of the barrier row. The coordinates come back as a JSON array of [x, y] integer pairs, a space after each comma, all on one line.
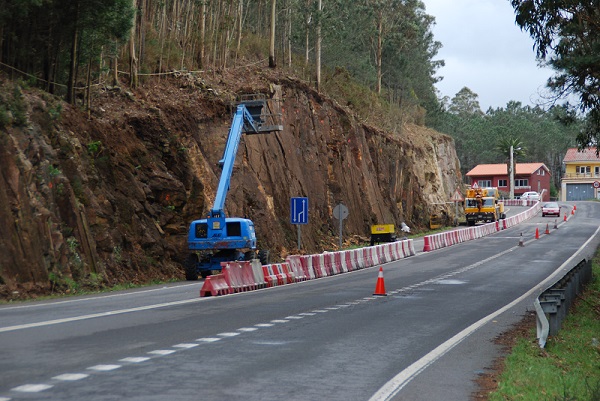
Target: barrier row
[[247, 276], [442, 240]]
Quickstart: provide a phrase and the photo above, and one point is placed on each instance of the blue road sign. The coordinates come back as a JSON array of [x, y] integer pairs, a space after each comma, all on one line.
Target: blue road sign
[[299, 210]]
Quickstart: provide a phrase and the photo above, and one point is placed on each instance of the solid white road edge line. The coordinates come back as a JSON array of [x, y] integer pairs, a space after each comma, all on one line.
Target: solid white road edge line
[[95, 315], [397, 383]]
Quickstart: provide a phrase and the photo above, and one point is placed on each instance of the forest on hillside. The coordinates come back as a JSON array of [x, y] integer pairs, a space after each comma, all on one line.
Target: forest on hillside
[[386, 45], [385, 48]]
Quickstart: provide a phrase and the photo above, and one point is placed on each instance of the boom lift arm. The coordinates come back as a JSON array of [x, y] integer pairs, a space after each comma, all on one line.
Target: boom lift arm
[[220, 238]]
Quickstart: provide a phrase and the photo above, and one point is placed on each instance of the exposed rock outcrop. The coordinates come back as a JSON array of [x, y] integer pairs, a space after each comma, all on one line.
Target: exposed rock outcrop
[[108, 199]]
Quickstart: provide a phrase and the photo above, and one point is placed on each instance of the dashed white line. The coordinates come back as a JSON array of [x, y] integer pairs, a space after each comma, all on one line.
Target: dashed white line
[[264, 325], [104, 368], [294, 317], [232, 334], [32, 388], [71, 377], [208, 339], [247, 329], [4, 399], [162, 352], [186, 345], [135, 359], [320, 311], [279, 321], [307, 314]]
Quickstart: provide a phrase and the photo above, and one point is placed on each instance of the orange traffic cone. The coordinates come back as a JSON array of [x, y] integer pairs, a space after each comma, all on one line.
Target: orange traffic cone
[[555, 224], [574, 207], [380, 286], [572, 211], [547, 229], [565, 219], [537, 233]]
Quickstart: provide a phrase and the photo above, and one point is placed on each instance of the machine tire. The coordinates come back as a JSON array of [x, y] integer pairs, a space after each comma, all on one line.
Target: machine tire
[[264, 257], [249, 255], [205, 273], [191, 274]]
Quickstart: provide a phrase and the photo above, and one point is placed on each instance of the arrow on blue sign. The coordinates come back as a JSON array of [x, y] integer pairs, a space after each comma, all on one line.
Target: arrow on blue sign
[[299, 210]]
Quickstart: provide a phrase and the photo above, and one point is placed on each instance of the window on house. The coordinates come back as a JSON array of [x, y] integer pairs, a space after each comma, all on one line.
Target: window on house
[[541, 172], [484, 183], [502, 183], [522, 183], [583, 169]]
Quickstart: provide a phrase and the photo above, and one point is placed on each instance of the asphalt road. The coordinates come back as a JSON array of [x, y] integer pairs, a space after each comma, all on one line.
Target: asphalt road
[[321, 339]]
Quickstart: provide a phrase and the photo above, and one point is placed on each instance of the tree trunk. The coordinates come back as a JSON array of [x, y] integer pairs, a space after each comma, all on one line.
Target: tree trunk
[[272, 62], [239, 30], [318, 46], [379, 52], [74, 55], [88, 88], [133, 61], [202, 36]]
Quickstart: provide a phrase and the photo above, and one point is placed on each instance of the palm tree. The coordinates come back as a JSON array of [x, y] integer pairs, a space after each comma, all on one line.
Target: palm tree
[[511, 147]]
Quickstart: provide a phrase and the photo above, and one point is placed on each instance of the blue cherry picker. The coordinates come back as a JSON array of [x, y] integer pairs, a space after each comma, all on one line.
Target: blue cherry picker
[[219, 238]]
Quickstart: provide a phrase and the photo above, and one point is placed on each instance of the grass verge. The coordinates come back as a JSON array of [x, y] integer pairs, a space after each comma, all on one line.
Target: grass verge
[[568, 368]]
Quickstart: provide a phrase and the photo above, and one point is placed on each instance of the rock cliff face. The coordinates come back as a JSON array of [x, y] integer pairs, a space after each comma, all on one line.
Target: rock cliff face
[[107, 199]]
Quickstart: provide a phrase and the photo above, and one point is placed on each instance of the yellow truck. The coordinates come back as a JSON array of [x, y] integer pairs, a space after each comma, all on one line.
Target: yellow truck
[[483, 205]]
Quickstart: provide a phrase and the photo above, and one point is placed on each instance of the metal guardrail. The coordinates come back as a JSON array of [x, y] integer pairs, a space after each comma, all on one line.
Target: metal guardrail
[[553, 304]]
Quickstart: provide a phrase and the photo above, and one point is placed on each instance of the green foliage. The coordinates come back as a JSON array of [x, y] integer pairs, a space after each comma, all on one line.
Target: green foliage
[[53, 171], [486, 137], [566, 35], [13, 109], [94, 148]]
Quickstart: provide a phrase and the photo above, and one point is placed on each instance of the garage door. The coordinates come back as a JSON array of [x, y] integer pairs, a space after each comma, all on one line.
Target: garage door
[[577, 192]]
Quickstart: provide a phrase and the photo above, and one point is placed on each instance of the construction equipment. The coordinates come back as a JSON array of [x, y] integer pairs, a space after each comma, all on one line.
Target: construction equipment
[[483, 205], [219, 238], [382, 233]]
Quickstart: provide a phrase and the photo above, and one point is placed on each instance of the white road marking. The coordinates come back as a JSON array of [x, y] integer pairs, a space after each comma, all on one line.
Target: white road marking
[[232, 334], [294, 317], [32, 388], [279, 321], [135, 359], [264, 325], [186, 345], [307, 314], [71, 376], [397, 383], [162, 352], [70, 301], [208, 339], [4, 399], [104, 368], [247, 329], [95, 315]]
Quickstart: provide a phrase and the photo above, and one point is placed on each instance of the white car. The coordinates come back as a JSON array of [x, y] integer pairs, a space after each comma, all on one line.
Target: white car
[[533, 196]]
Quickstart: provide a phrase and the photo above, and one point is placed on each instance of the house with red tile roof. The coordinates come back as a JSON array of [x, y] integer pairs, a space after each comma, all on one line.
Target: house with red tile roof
[[581, 177], [528, 177]]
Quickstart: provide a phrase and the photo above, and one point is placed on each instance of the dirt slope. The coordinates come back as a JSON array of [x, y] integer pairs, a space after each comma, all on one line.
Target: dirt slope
[[107, 199]]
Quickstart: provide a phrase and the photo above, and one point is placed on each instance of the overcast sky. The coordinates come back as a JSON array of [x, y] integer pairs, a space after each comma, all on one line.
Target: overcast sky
[[486, 51]]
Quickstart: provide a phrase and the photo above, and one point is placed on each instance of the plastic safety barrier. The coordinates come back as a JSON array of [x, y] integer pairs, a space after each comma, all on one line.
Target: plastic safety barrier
[[215, 285]]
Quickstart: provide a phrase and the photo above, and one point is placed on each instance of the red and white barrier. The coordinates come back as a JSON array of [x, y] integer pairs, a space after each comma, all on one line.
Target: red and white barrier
[[215, 285]]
